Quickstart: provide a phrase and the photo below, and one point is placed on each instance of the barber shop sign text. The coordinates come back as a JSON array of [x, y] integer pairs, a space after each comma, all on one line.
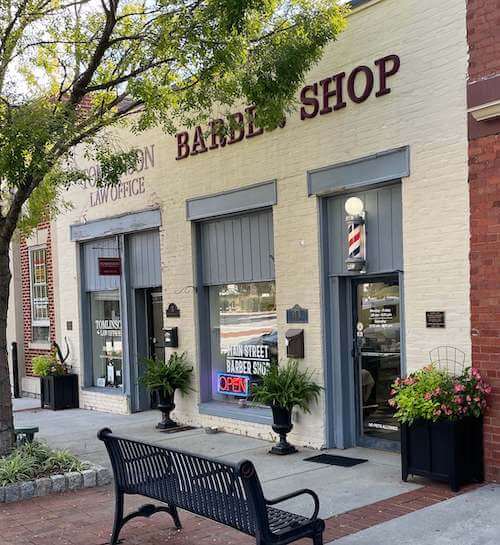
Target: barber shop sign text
[[322, 97]]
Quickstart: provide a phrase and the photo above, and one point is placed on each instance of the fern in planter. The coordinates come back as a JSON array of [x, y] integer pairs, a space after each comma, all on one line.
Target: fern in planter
[[287, 386], [283, 388], [165, 378]]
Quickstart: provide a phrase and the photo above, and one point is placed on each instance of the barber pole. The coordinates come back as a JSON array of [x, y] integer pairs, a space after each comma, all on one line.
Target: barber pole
[[356, 244]]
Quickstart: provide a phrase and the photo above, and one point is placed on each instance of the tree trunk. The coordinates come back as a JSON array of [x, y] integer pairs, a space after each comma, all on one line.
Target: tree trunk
[[6, 415]]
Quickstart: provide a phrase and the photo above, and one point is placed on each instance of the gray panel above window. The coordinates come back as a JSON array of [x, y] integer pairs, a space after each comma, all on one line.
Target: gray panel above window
[[233, 201], [382, 167], [126, 223], [144, 259], [238, 249], [384, 244], [92, 251]]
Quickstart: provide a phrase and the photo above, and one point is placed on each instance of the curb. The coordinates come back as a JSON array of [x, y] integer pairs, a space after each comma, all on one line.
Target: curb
[[75, 480]]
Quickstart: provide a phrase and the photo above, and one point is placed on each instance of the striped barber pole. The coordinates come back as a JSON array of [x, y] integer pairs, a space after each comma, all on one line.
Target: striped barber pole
[[354, 240]]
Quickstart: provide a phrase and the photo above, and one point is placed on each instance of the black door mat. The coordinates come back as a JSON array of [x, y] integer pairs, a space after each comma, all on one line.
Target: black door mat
[[333, 460], [177, 430]]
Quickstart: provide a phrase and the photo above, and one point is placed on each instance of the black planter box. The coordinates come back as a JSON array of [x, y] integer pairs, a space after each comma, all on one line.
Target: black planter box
[[448, 451], [59, 392]]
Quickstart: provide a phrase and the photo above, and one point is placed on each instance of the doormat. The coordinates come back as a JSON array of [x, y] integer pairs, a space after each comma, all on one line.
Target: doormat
[[177, 430], [333, 460]]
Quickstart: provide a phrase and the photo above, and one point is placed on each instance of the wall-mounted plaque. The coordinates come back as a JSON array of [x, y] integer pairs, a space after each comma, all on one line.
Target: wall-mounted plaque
[[435, 319], [297, 315], [173, 311], [109, 266]]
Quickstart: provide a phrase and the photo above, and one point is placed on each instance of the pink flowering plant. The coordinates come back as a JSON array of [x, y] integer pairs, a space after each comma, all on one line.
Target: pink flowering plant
[[432, 394]]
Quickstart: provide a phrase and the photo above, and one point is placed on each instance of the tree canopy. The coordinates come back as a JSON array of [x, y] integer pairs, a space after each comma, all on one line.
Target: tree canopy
[[70, 69]]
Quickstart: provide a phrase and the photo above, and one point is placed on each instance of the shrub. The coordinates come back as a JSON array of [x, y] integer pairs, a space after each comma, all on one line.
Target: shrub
[[47, 365], [34, 460], [433, 394], [287, 386]]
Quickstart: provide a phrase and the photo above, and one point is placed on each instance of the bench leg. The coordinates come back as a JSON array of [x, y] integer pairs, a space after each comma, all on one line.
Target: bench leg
[[318, 538], [118, 521], [175, 516]]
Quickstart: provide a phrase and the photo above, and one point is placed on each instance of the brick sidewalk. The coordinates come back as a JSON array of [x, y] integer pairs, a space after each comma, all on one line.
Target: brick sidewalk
[[85, 518]]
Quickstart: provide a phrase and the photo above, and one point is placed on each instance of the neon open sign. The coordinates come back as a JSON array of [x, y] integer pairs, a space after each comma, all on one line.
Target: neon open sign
[[233, 385]]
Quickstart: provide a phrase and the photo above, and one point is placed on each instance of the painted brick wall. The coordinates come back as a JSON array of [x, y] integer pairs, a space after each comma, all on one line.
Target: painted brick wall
[[425, 110], [483, 22], [29, 350]]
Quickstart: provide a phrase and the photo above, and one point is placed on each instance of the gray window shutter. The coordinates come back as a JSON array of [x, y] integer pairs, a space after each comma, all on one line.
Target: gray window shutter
[[238, 249]]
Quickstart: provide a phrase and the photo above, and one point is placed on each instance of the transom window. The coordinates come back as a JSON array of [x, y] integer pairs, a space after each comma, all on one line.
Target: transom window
[[39, 295]]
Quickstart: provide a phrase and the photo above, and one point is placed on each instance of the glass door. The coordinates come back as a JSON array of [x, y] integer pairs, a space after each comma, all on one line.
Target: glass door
[[156, 333], [377, 359]]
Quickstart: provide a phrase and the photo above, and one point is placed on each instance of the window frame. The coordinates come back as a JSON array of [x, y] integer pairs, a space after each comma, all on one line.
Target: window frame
[[38, 322]]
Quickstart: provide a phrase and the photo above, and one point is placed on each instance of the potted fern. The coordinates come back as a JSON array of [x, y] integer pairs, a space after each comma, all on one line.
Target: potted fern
[[283, 388], [165, 378]]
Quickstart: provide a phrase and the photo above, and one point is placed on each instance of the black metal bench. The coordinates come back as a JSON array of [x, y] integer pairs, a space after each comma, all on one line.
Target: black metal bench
[[229, 493]]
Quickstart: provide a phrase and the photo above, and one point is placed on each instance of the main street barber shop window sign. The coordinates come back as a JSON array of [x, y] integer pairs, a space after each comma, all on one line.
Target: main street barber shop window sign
[[244, 364], [331, 94]]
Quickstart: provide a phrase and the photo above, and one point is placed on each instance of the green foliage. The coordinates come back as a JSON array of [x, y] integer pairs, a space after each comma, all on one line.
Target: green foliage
[[287, 386], [46, 365], [167, 377], [34, 460], [433, 394]]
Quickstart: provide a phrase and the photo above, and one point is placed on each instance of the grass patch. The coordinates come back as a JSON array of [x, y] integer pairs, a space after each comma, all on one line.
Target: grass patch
[[35, 460]]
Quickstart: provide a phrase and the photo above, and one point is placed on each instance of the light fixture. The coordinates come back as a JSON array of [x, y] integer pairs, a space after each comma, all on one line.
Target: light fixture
[[354, 206], [356, 233]]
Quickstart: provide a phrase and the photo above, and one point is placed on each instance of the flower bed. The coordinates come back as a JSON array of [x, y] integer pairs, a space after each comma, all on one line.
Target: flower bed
[[34, 469]]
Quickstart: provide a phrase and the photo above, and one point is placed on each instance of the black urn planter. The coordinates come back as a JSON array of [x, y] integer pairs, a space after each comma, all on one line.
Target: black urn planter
[[282, 424], [166, 405], [447, 451], [59, 392]]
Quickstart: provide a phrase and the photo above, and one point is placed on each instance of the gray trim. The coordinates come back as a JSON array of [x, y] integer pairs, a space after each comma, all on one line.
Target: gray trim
[[85, 321], [257, 415], [124, 223], [366, 171], [356, 3], [125, 312], [203, 344], [232, 201]]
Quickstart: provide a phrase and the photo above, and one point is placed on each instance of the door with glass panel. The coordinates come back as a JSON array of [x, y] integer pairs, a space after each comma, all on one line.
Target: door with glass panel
[[376, 359]]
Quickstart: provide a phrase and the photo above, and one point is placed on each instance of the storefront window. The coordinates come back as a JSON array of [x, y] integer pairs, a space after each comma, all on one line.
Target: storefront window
[[244, 337], [106, 339]]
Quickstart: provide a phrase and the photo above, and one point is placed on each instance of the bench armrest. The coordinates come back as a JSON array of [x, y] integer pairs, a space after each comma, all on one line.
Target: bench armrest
[[292, 495]]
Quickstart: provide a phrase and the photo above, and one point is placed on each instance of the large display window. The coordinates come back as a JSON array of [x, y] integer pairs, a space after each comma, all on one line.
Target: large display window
[[107, 353], [244, 337]]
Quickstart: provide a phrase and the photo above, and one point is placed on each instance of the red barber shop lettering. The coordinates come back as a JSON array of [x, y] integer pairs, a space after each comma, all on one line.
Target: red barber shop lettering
[[330, 94], [219, 133], [319, 98]]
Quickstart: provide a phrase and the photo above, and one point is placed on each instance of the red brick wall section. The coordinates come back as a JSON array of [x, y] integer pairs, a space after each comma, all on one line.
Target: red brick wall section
[[484, 178], [483, 28], [29, 353], [483, 24]]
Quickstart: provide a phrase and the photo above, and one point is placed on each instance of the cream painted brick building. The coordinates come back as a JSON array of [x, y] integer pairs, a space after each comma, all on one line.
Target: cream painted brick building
[[425, 113]]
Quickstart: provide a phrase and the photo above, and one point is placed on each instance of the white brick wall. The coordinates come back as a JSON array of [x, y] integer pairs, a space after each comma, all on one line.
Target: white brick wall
[[425, 110]]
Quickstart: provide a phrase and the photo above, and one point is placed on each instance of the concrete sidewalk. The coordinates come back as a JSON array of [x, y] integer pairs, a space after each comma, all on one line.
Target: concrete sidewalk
[[340, 489], [469, 519], [363, 505]]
